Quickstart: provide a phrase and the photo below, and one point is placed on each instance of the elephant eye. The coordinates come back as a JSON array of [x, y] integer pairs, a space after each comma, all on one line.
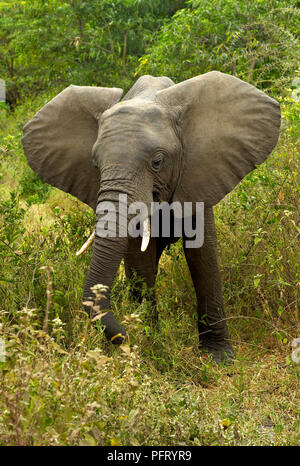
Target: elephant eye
[[157, 161]]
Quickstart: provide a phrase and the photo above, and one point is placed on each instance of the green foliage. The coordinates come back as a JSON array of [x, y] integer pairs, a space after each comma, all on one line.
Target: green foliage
[[254, 40], [52, 44], [33, 189]]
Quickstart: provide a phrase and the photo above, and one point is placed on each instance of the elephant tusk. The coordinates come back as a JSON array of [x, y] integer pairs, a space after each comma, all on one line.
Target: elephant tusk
[[146, 234], [86, 245]]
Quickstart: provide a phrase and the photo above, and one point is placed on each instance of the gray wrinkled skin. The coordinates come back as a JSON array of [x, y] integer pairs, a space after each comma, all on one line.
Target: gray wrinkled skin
[[207, 132]]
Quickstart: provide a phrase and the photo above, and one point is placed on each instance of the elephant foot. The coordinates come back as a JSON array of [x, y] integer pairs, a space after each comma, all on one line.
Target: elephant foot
[[113, 331], [220, 351]]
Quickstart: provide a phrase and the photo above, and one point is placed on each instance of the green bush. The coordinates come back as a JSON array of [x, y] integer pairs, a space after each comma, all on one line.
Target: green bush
[[258, 41], [46, 45]]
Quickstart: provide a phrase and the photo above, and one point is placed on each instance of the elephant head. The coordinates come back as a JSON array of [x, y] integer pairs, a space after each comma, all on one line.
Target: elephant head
[[188, 142]]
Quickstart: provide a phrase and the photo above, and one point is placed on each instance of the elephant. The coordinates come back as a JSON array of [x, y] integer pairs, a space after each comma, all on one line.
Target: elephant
[[188, 142]]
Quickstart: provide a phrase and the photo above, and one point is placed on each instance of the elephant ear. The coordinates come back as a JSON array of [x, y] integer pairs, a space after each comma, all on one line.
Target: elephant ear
[[58, 140], [228, 128]]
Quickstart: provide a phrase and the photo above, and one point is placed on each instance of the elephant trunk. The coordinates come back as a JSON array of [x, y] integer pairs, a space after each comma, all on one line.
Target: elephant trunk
[[106, 258], [108, 252]]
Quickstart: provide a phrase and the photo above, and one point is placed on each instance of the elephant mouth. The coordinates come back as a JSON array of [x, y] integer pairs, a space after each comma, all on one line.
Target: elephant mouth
[[156, 196]]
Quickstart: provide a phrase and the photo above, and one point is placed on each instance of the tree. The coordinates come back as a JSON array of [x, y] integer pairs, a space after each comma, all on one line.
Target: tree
[[46, 44], [255, 40]]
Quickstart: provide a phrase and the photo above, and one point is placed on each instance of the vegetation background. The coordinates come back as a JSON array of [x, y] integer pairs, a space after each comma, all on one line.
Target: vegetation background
[[60, 382]]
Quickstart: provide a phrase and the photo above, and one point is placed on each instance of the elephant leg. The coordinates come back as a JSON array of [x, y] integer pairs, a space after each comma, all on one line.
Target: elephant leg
[[204, 269], [142, 268]]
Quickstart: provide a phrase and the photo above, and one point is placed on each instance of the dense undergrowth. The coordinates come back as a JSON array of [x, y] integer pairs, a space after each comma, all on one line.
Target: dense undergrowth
[[61, 383]]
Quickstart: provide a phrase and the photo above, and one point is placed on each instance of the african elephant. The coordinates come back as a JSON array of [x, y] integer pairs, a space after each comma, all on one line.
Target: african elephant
[[186, 142]]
